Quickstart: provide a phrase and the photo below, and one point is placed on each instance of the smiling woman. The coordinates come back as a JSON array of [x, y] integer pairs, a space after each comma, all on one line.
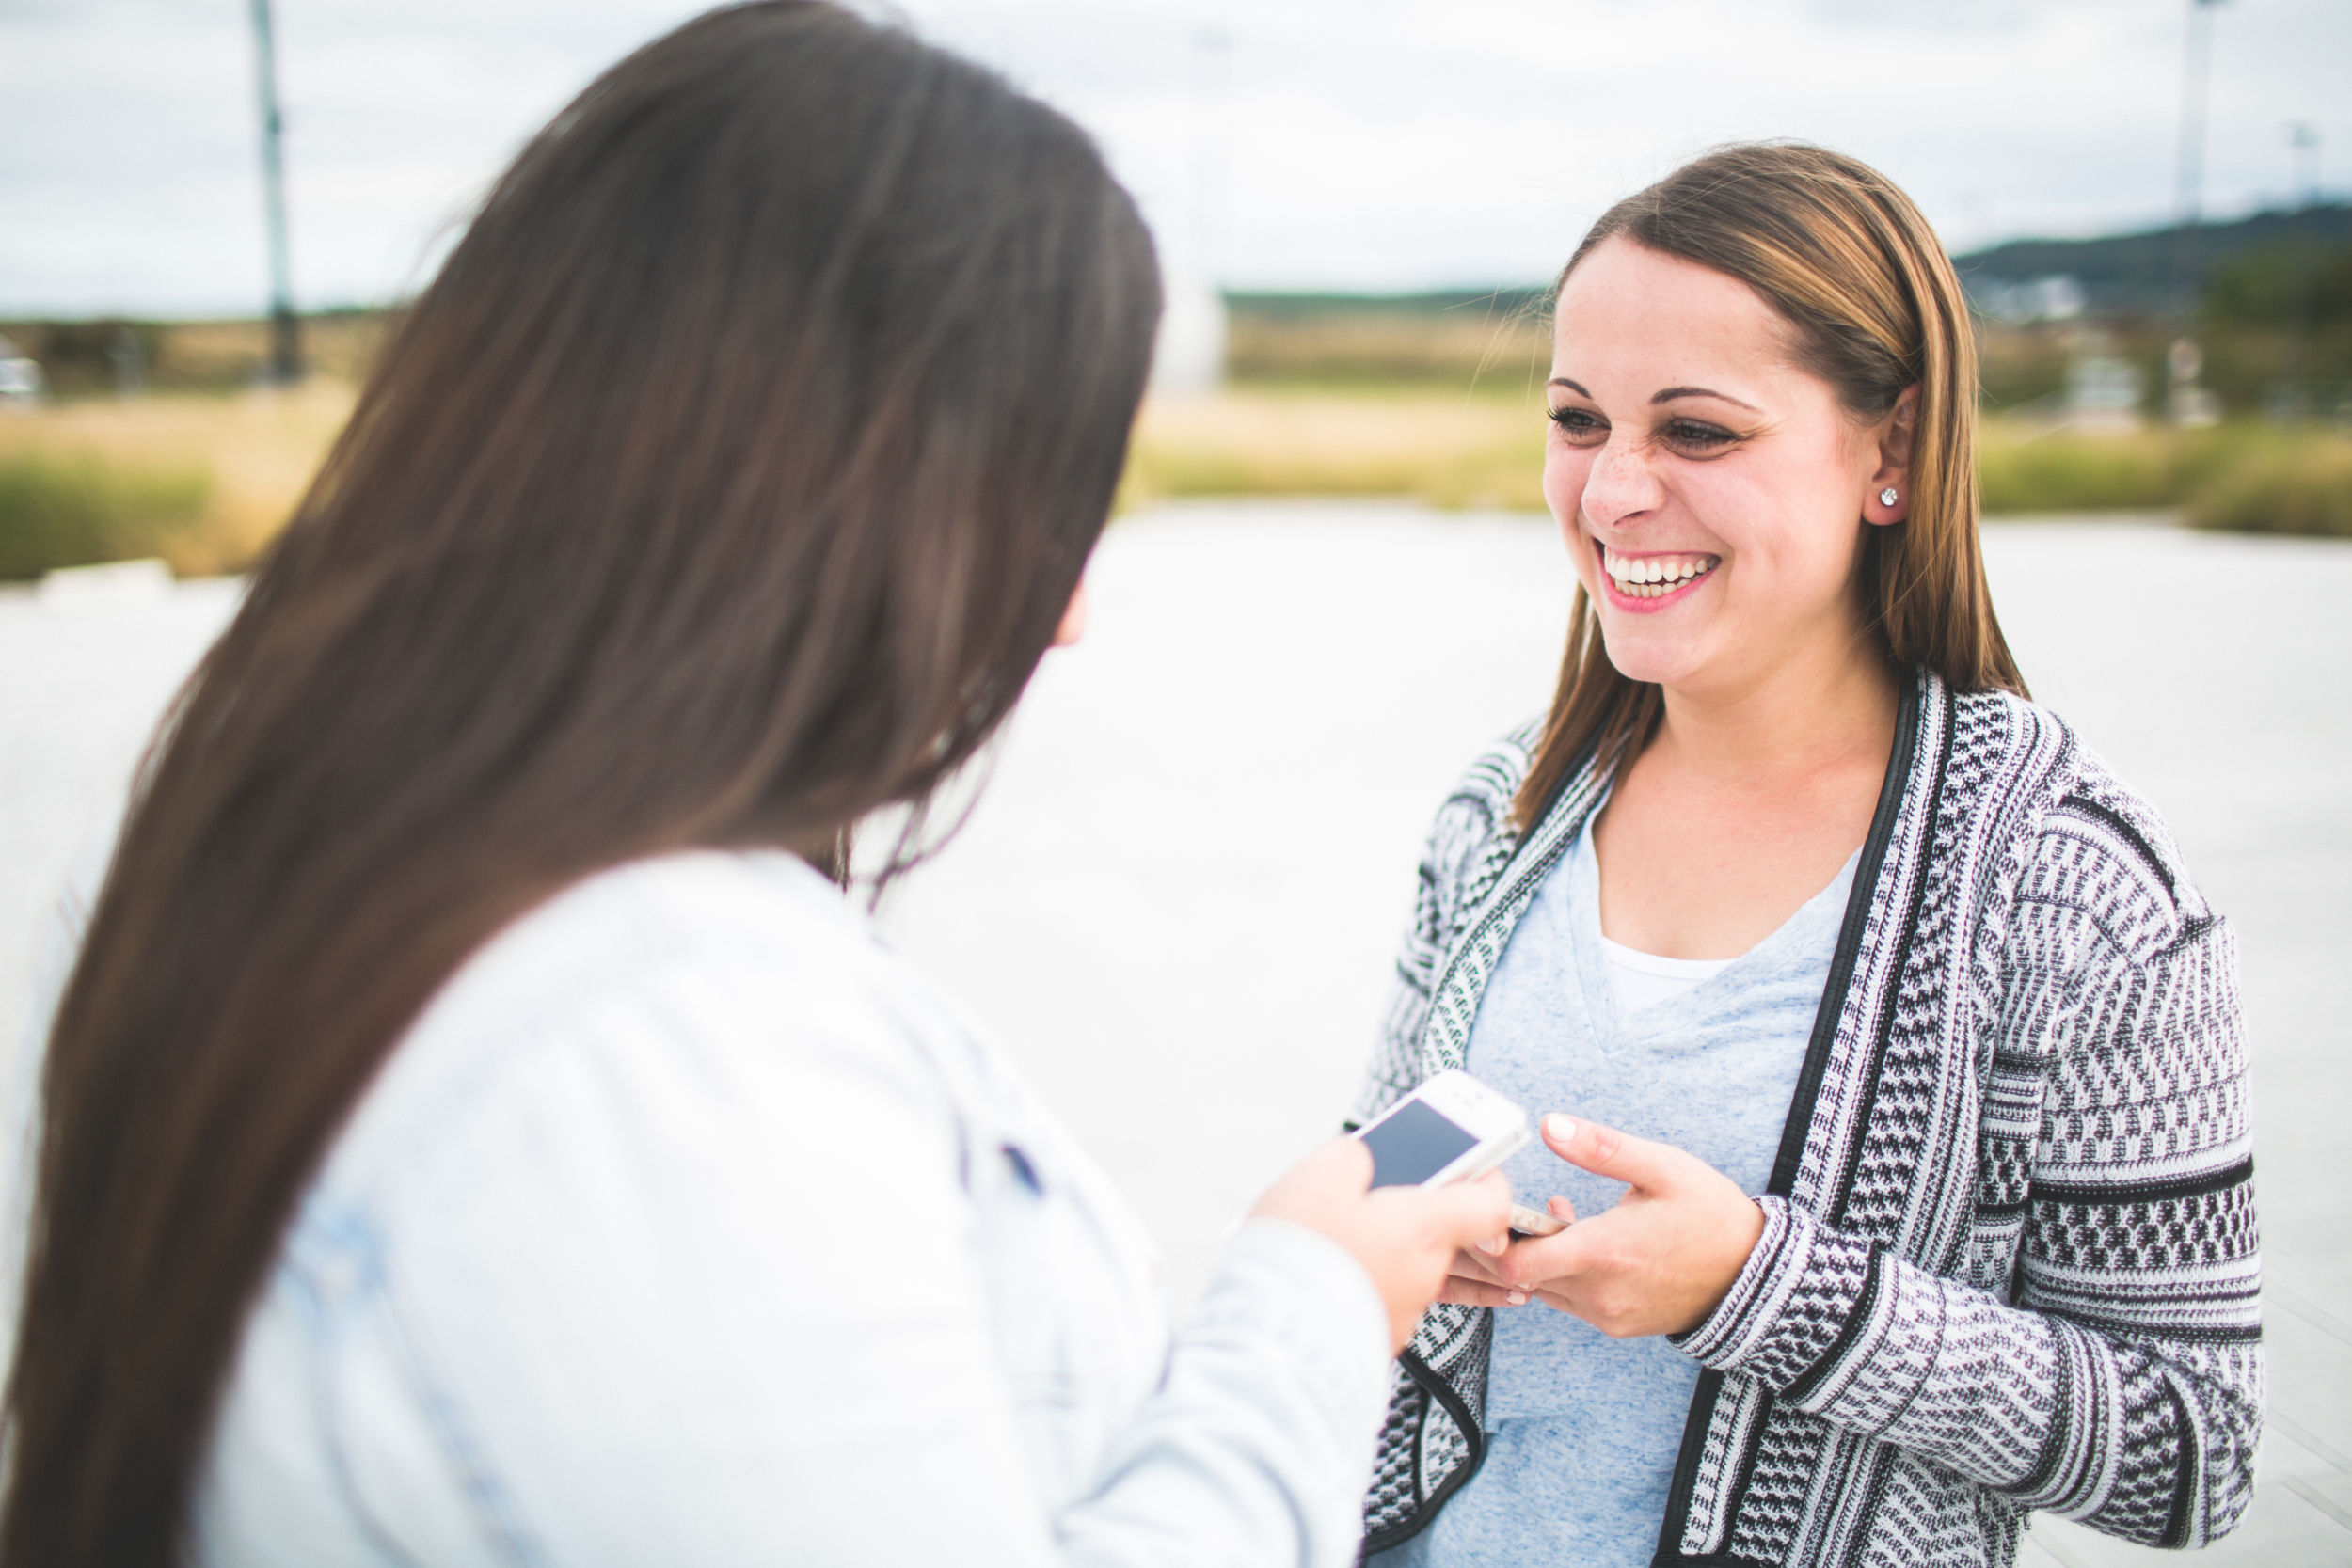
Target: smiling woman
[[1900, 1066]]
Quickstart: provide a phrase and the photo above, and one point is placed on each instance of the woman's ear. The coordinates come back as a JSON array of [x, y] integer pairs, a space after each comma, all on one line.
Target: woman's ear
[[1889, 500], [1073, 618]]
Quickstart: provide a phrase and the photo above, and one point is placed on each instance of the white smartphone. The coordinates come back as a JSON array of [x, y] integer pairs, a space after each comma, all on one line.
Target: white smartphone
[[1536, 1222], [1452, 1129]]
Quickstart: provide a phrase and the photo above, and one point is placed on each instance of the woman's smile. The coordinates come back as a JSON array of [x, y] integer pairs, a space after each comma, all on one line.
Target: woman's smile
[[1646, 583]]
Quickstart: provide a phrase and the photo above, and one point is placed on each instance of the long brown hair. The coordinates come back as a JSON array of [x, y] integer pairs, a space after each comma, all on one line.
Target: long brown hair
[[727, 484], [1842, 254]]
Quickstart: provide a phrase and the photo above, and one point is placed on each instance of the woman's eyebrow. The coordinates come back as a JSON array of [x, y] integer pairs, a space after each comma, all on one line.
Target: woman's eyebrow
[[1673, 392], [1669, 395]]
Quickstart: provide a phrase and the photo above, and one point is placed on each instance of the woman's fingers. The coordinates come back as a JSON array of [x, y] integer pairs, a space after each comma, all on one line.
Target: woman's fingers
[[1480, 1292], [1619, 1156], [1405, 1237], [1464, 1216], [1471, 1218], [1477, 1214], [1533, 1260], [1477, 1265], [1657, 1263]]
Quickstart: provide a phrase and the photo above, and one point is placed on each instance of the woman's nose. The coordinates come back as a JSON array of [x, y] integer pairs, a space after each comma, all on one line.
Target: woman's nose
[[1618, 485]]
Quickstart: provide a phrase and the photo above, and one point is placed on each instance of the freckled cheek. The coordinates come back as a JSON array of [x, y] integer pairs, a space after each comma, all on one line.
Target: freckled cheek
[[1565, 468]]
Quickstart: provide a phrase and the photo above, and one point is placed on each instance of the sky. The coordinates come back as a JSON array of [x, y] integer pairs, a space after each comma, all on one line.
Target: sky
[[1343, 145]]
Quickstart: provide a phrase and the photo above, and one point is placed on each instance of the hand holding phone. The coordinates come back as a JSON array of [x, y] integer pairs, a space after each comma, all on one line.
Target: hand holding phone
[[1450, 1127], [1405, 1237], [1453, 1128]]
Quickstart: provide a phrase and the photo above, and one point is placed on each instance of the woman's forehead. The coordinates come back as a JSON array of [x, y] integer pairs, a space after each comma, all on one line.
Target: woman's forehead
[[1627, 310], [1622, 281]]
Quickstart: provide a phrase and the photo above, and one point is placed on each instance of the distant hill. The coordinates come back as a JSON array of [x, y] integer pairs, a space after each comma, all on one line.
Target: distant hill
[[2116, 274], [2122, 274]]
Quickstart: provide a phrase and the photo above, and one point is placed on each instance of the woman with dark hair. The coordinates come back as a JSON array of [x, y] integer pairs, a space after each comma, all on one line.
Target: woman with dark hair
[[1901, 1068], [475, 1128]]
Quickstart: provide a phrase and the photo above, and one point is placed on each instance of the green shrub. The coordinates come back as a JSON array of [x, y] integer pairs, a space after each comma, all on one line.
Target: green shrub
[[78, 511], [2298, 487], [2065, 472]]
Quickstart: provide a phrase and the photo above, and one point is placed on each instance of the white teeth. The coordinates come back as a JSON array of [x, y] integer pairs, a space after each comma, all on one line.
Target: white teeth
[[1651, 576]]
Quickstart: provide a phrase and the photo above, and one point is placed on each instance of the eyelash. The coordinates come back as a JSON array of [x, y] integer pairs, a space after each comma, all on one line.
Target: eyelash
[[1687, 434]]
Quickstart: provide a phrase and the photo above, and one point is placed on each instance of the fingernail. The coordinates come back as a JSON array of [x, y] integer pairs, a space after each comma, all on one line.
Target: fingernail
[[1558, 1128], [1517, 1298], [1495, 1246]]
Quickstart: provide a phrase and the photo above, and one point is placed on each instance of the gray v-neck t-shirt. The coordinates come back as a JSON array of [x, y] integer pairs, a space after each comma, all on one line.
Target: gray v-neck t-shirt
[[1583, 1429]]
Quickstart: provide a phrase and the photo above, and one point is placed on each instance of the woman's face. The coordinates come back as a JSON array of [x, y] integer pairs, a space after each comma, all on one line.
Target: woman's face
[[1712, 494]]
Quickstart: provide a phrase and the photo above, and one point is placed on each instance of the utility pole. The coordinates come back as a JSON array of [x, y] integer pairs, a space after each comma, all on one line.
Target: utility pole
[[2189, 403], [2303, 136], [2293, 399], [285, 328], [1211, 166], [2189, 184]]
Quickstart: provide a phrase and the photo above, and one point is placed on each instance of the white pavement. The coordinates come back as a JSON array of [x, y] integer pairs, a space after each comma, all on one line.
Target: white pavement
[[1176, 900]]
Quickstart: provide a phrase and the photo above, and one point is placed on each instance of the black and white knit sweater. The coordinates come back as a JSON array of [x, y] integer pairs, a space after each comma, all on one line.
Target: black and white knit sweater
[[2009, 1260]]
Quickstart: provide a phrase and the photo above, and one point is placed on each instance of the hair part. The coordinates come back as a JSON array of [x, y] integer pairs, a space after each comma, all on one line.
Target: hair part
[[727, 484], [1845, 258]]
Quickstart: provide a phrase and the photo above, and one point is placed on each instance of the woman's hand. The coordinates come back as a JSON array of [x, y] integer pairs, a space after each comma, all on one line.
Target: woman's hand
[[1657, 1263], [1475, 1281], [1405, 1237]]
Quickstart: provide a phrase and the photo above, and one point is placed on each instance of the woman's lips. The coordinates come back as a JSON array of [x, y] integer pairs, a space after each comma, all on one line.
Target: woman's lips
[[1653, 580]]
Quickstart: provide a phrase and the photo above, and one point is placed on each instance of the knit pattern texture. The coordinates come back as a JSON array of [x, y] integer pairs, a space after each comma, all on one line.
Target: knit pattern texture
[[2010, 1260]]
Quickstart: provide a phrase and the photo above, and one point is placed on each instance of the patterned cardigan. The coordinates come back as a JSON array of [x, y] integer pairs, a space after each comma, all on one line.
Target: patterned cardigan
[[2009, 1258]]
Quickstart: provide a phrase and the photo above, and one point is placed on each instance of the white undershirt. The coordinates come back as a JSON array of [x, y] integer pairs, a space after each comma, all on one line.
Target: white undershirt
[[1645, 980]]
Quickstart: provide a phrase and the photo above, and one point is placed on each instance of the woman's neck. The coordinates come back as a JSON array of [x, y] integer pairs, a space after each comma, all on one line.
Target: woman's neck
[[1745, 803], [1833, 701]]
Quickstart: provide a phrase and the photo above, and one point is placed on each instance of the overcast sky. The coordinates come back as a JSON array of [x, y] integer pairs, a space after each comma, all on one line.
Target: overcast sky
[[1282, 144]]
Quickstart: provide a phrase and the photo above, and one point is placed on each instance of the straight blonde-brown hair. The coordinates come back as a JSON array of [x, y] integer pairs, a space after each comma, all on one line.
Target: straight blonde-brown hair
[[1846, 259]]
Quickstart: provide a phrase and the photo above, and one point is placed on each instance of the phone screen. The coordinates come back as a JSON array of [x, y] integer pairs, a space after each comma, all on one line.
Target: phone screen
[[1414, 1144]]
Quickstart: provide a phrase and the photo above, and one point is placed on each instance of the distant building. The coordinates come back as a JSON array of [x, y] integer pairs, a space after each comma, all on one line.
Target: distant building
[[2056, 298], [2104, 393], [1190, 354], [22, 385]]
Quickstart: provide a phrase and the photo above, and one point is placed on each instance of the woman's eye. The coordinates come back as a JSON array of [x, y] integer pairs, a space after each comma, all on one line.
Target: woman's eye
[[1691, 435], [1579, 424]]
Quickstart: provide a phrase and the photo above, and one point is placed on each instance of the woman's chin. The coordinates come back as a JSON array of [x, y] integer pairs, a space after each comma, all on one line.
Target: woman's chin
[[1645, 651]]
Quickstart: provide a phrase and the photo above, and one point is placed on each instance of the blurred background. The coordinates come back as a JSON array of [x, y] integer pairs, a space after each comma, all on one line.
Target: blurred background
[[1332, 581], [1358, 203]]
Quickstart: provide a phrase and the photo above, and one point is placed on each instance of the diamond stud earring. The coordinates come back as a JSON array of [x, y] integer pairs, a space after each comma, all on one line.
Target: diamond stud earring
[[1887, 496]]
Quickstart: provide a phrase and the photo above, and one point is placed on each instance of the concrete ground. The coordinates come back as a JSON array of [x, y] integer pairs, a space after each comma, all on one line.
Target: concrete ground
[[1176, 899]]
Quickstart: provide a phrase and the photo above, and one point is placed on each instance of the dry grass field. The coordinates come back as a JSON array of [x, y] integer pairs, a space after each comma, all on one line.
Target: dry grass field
[[1485, 449], [203, 482], [1493, 341], [204, 479], [1444, 448]]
